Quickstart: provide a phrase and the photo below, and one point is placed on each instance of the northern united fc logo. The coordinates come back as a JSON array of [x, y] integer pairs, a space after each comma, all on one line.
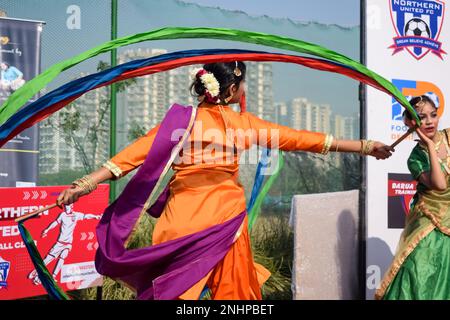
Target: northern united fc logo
[[4, 271], [418, 24]]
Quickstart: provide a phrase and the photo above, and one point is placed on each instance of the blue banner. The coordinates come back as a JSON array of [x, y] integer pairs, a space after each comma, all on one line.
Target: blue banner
[[20, 48]]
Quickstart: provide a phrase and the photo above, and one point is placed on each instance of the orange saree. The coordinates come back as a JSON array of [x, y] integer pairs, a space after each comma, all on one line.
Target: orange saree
[[205, 190]]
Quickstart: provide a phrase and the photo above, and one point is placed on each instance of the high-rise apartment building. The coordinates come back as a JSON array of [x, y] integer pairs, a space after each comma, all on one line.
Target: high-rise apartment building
[[58, 152], [259, 93]]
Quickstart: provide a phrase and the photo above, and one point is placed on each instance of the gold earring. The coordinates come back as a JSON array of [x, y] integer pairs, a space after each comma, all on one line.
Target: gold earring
[[228, 99]]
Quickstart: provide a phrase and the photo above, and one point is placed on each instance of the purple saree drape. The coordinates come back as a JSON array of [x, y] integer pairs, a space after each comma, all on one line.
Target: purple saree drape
[[166, 270]]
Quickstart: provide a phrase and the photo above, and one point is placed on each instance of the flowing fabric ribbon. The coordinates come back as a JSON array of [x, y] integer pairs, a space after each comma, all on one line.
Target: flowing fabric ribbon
[[259, 192], [62, 96], [54, 292], [112, 257], [23, 94]]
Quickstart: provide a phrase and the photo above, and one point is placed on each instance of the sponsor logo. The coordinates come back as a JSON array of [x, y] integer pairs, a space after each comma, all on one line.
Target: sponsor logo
[[412, 88], [418, 24], [401, 190], [4, 272]]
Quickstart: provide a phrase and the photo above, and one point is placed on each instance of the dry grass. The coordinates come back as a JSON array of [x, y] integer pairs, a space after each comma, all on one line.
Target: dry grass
[[272, 242]]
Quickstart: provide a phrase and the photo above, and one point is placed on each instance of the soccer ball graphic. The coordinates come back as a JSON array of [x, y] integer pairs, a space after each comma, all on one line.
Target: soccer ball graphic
[[417, 27]]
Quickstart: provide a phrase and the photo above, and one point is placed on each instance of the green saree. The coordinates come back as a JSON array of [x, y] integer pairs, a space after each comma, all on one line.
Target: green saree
[[421, 266]]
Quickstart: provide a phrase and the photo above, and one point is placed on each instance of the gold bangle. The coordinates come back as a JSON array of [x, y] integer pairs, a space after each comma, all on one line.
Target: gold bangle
[[363, 146], [370, 146], [86, 183], [90, 183], [366, 147], [82, 184], [327, 144], [337, 146]]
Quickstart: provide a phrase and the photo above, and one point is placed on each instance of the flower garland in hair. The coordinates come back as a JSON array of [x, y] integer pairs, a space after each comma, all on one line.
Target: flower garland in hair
[[209, 81]]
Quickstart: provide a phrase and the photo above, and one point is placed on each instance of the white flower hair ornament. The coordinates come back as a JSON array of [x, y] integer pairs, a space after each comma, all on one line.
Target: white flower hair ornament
[[212, 86]]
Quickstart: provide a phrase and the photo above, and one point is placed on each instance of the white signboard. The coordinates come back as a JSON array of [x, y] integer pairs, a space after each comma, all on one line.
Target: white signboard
[[406, 42]]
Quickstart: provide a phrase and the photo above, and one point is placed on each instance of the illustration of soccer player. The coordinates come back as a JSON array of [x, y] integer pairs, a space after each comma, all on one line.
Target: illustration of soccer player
[[67, 220]]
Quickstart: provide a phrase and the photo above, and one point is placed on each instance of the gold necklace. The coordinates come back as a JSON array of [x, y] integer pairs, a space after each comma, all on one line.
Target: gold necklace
[[438, 144]]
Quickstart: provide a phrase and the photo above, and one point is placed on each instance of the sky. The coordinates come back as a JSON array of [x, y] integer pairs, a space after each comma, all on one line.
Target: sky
[[324, 11]]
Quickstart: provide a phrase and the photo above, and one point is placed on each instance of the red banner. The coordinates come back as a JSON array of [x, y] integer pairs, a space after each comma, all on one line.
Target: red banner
[[65, 238], [401, 191]]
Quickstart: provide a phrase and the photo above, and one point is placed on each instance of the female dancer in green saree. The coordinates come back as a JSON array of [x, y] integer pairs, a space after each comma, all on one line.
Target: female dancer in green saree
[[421, 266]]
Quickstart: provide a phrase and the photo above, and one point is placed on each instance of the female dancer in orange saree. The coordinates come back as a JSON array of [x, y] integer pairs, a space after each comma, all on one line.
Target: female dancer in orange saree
[[204, 195]]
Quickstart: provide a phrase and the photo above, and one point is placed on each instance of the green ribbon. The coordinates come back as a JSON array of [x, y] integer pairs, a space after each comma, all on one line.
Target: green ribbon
[[256, 209], [50, 285]]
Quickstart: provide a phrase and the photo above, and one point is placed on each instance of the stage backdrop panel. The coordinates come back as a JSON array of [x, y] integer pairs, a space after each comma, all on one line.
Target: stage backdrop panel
[[406, 43], [325, 246]]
